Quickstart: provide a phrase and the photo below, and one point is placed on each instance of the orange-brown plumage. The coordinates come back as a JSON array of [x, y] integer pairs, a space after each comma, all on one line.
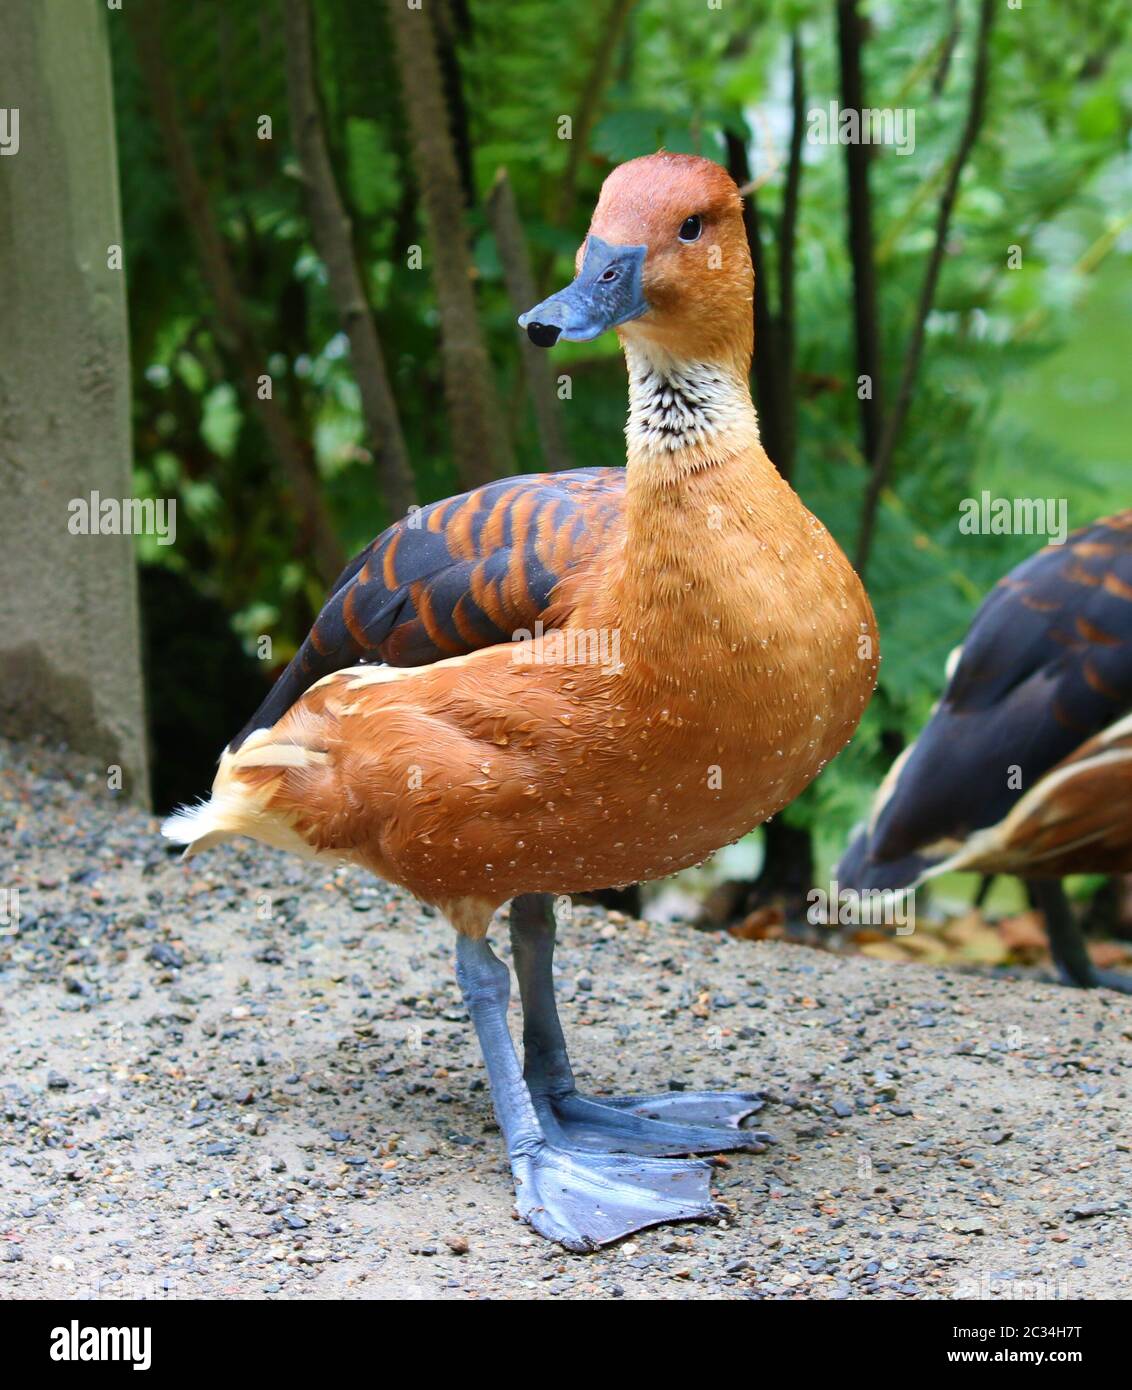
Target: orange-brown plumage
[[745, 645]]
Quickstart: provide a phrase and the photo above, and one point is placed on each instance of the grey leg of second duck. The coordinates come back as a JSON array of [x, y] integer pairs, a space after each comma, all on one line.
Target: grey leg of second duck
[[673, 1122], [1067, 941]]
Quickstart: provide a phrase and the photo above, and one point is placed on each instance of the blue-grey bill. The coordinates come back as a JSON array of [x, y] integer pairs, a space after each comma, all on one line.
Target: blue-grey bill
[[606, 292]]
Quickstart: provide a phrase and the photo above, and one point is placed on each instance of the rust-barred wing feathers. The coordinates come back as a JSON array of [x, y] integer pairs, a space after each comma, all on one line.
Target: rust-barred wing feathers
[[454, 576], [1047, 665]]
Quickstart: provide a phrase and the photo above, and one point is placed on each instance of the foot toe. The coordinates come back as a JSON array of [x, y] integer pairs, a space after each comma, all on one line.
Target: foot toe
[[586, 1200], [697, 1123], [729, 1108]]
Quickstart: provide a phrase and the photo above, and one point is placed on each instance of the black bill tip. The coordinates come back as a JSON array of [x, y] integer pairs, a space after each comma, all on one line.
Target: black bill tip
[[543, 334]]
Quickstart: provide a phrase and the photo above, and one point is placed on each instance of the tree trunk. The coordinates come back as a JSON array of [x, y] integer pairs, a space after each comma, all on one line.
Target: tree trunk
[[850, 40], [333, 236], [69, 632], [452, 22], [479, 442]]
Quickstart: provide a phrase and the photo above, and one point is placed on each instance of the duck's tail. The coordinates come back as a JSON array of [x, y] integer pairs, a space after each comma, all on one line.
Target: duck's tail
[[243, 794]]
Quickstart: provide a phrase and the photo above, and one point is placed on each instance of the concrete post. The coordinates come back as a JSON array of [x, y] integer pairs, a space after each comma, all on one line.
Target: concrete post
[[70, 661]]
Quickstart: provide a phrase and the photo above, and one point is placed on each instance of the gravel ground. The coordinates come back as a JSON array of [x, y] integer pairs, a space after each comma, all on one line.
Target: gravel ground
[[250, 1077]]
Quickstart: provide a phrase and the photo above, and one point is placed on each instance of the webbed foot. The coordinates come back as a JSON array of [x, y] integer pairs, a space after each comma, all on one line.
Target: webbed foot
[[584, 1200]]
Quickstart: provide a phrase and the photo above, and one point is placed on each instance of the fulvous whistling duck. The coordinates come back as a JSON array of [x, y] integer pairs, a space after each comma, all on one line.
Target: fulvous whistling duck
[[692, 649], [1026, 764]]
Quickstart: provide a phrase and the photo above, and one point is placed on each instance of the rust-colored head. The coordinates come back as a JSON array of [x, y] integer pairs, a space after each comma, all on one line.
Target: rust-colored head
[[665, 262], [697, 275]]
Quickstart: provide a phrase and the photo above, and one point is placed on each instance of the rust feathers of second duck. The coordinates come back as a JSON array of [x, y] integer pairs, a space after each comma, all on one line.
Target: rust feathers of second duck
[[696, 647]]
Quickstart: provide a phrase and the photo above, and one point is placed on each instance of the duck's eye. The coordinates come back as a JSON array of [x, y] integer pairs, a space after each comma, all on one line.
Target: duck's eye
[[691, 228]]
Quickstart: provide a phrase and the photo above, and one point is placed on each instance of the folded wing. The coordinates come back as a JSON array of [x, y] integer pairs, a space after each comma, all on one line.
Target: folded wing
[[454, 576]]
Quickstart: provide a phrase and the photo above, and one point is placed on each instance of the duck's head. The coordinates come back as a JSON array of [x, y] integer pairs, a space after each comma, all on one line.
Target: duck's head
[[665, 262]]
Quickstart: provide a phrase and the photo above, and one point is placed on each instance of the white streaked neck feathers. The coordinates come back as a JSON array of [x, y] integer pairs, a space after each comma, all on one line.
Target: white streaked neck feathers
[[681, 406]]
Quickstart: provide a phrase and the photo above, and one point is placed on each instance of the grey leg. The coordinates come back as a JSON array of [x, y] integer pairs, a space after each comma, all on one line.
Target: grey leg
[[674, 1122], [546, 1064], [485, 983], [1067, 940], [1066, 943], [582, 1200]]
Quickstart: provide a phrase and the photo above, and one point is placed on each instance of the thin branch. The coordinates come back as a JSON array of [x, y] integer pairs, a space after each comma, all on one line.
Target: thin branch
[[850, 36], [767, 361], [787, 242], [519, 278], [900, 224], [333, 236], [1087, 262], [232, 323], [775, 377], [589, 104], [947, 49], [882, 462]]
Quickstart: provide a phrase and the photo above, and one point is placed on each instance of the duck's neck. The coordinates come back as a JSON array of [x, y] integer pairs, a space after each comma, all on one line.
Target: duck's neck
[[694, 456], [686, 415], [705, 509]]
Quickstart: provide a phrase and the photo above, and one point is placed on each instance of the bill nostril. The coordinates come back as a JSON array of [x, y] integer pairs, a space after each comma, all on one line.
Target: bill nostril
[[543, 334]]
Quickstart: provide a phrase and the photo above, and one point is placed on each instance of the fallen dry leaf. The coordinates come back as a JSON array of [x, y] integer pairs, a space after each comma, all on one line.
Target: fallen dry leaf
[[765, 924]]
